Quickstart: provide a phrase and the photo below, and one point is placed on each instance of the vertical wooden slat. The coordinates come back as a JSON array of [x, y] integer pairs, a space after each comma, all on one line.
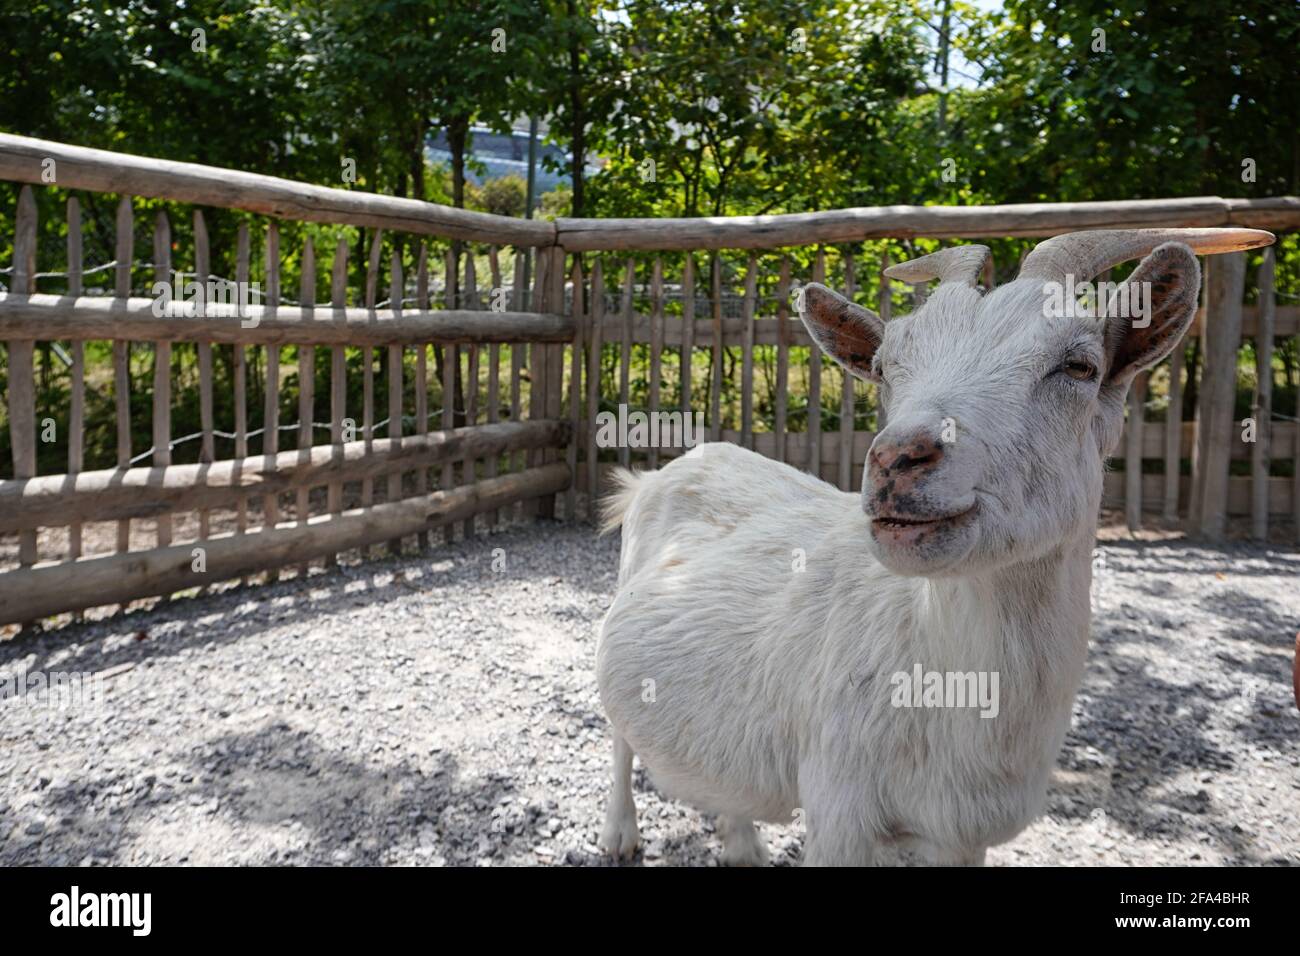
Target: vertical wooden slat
[[162, 368], [338, 378], [469, 474], [688, 334], [77, 349], [368, 365], [594, 349], [395, 289], [780, 424], [1218, 389], [1198, 424], [536, 354], [22, 382], [1137, 394], [494, 379], [885, 303], [656, 352], [422, 376], [1261, 451], [450, 361], [625, 351], [575, 392], [306, 380], [518, 357], [885, 309], [848, 398], [815, 385], [715, 395], [207, 443], [239, 368], [1174, 433], [537, 365], [554, 366], [1295, 460], [552, 360], [124, 254], [747, 356], [271, 405], [1133, 438]]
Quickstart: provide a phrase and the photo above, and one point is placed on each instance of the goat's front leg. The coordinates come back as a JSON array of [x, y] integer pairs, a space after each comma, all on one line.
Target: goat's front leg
[[828, 843], [620, 835], [741, 844]]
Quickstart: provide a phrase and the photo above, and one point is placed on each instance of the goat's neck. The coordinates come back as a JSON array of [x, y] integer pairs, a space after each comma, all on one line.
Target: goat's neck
[[1031, 617]]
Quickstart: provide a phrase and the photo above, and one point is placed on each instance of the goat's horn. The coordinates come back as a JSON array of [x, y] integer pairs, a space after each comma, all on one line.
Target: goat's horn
[[1087, 254], [954, 264]]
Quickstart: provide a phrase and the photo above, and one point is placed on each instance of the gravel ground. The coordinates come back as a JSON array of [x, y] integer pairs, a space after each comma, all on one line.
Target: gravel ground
[[435, 710]]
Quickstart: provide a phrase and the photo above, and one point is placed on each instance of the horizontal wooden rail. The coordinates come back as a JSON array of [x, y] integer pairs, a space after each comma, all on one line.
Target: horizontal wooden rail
[[121, 494], [23, 159], [935, 222], [31, 593], [55, 317]]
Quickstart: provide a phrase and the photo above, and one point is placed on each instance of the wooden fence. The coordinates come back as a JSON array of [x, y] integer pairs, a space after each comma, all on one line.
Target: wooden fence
[[654, 316]]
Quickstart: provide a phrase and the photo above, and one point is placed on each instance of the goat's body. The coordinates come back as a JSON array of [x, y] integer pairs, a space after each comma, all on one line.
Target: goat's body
[[748, 654]]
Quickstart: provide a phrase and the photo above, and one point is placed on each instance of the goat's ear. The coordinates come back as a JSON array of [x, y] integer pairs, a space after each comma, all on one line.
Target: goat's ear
[[1168, 282], [843, 330]]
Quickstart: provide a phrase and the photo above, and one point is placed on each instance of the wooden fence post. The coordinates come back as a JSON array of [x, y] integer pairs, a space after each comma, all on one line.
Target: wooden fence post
[[688, 337], [747, 356], [814, 429], [715, 395], [1262, 407], [781, 424], [124, 252], [886, 310], [1137, 394], [848, 397], [656, 351], [162, 367], [553, 356], [1219, 385], [1174, 434], [202, 271], [338, 378], [77, 401], [22, 382], [594, 349]]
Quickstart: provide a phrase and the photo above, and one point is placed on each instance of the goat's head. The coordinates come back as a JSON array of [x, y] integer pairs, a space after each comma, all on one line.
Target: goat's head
[[1001, 408]]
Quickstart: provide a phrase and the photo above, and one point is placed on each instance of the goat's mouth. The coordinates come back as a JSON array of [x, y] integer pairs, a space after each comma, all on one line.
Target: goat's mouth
[[912, 529]]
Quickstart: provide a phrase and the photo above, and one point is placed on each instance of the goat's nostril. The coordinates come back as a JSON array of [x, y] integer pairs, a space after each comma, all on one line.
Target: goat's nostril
[[916, 455], [920, 457]]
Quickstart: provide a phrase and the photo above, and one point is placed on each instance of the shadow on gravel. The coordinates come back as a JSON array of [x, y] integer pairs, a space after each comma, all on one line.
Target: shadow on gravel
[[1152, 732], [1249, 618], [328, 809], [1187, 556]]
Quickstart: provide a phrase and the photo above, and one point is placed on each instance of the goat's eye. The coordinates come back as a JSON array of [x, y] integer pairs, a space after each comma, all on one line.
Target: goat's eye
[[1080, 369]]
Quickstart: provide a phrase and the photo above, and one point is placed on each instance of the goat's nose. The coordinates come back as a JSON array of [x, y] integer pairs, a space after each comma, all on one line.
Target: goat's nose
[[912, 454]]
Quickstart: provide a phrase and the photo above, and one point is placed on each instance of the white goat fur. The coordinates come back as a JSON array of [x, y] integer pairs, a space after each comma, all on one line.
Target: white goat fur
[[754, 689]]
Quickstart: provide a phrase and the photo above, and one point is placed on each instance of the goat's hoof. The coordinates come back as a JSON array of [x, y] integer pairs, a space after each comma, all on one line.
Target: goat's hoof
[[620, 838], [742, 846], [756, 856]]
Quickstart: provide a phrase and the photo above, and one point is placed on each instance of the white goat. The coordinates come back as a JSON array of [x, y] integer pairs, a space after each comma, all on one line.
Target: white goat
[[752, 653]]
